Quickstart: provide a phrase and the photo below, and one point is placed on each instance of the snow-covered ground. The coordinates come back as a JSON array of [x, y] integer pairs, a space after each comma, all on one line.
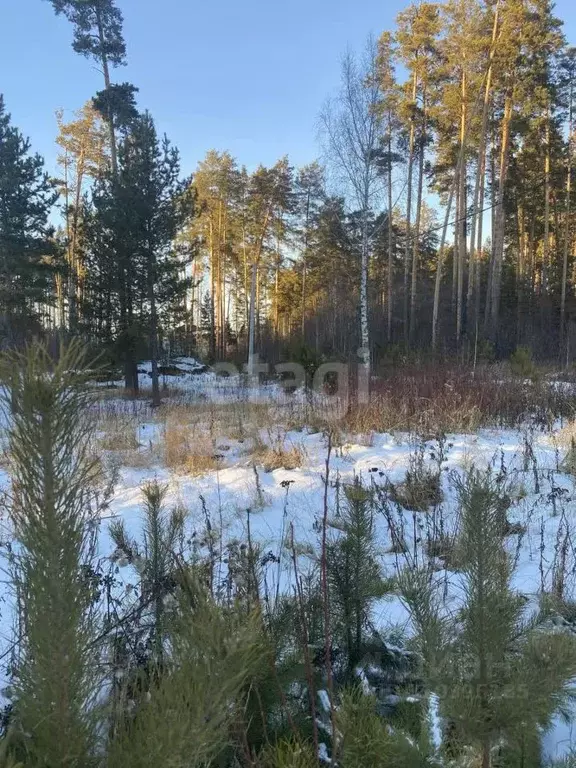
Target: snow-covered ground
[[239, 492], [187, 379]]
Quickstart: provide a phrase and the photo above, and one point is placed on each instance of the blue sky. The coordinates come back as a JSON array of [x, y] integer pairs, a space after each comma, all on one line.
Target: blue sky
[[244, 75]]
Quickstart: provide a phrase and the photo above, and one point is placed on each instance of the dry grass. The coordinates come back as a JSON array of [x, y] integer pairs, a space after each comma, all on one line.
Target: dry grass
[[424, 401], [566, 436], [418, 492], [117, 433], [283, 458], [432, 399], [143, 458], [235, 420], [185, 450], [278, 452]]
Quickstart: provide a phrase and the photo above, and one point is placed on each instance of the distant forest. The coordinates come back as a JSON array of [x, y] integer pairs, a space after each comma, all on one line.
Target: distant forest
[[439, 219]]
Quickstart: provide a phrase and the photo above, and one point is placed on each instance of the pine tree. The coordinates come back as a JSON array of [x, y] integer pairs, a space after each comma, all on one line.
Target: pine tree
[[84, 146], [568, 82], [389, 107], [217, 183], [55, 508], [98, 35], [354, 574], [188, 712], [463, 50], [418, 28], [155, 562], [26, 198], [268, 197], [500, 673], [310, 193], [138, 215]]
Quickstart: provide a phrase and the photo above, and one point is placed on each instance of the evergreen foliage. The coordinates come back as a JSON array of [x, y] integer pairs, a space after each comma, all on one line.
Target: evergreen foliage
[[191, 661], [135, 272], [57, 498], [27, 250], [482, 114], [356, 579], [500, 675], [97, 28]]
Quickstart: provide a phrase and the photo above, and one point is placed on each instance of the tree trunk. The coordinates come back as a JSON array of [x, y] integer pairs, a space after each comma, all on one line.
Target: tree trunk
[[130, 366], [409, 206], [304, 267], [246, 291], [461, 223], [364, 329], [416, 244], [546, 241], [390, 233], [456, 249], [252, 321], [107, 83], [156, 401], [277, 281], [479, 243], [217, 285], [440, 263], [567, 227], [520, 275], [59, 289], [473, 272], [74, 279], [496, 287]]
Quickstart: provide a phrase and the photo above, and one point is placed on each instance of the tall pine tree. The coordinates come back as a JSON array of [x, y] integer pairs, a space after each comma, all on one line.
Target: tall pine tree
[[26, 197]]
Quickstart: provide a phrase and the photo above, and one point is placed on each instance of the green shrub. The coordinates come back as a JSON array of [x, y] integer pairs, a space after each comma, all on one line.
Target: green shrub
[[288, 754], [522, 364]]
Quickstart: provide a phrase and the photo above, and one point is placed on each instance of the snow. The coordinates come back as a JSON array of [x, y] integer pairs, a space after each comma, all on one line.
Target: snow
[[435, 726], [273, 503], [187, 378], [232, 490]]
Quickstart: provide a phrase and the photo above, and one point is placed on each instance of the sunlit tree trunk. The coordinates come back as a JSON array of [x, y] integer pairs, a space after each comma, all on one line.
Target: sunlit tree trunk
[[411, 145], [567, 223], [460, 250], [495, 288], [416, 234], [390, 234]]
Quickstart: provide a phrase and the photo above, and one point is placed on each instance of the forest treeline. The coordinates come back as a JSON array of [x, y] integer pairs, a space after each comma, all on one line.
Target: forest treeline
[[441, 215]]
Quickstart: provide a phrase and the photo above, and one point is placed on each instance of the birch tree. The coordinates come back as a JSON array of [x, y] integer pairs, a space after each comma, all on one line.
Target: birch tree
[[352, 130]]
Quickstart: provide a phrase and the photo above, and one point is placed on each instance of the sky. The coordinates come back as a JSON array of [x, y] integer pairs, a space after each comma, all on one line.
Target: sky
[[249, 76]]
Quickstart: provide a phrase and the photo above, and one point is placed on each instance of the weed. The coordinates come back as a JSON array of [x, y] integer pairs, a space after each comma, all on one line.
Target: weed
[[278, 453], [185, 451], [118, 434], [568, 465], [421, 488]]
